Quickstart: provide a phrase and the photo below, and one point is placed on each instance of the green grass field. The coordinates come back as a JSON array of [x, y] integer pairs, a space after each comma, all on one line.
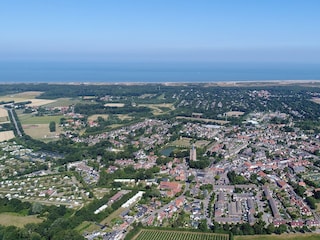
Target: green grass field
[[65, 102], [12, 219], [30, 119], [158, 109], [177, 235], [112, 216], [183, 142], [310, 236], [87, 227], [41, 131]]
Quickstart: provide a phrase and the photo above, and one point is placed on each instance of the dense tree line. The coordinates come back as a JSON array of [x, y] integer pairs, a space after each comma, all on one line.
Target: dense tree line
[[236, 178], [106, 179], [199, 164], [99, 108]]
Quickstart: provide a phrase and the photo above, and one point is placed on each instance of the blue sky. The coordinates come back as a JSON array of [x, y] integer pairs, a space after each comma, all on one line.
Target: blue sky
[[161, 30]]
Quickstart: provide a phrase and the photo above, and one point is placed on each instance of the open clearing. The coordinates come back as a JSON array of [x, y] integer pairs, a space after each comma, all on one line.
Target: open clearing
[[201, 143], [65, 102], [26, 95], [40, 131], [306, 236], [112, 216], [234, 114], [87, 227], [146, 234], [143, 96], [106, 116], [159, 108], [21, 96], [10, 219], [182, 142], [95, 117], [6, 135], [206, 120], [114, 105], [124, 117]]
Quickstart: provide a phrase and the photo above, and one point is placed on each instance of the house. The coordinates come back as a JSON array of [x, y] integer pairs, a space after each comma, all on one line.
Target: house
[[297, 223], [313, 223], [172, 187]]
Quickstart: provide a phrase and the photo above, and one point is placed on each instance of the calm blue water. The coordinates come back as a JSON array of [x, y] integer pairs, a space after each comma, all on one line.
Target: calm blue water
[[13, 72]]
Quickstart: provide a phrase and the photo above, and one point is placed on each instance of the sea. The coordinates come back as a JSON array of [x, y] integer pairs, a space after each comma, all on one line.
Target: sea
[[152, 72]]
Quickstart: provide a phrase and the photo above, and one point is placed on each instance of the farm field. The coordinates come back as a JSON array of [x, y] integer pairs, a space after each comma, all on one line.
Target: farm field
[[23, 96], [40, 131], [3, 112], [11, 219], [4, 118], [306, 236], [65, 102], [30, 119], [6, 135], [27, 96], [39, 102], [177, 235]]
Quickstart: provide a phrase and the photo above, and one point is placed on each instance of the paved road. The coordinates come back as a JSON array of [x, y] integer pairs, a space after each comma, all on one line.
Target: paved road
[[15, 122], [205, 209]]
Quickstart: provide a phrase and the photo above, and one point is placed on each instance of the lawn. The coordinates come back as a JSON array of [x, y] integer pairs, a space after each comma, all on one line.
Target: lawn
[[182, 142], [87, 227], [112, 216], [308, 236], [201, 143], [9, 219]]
